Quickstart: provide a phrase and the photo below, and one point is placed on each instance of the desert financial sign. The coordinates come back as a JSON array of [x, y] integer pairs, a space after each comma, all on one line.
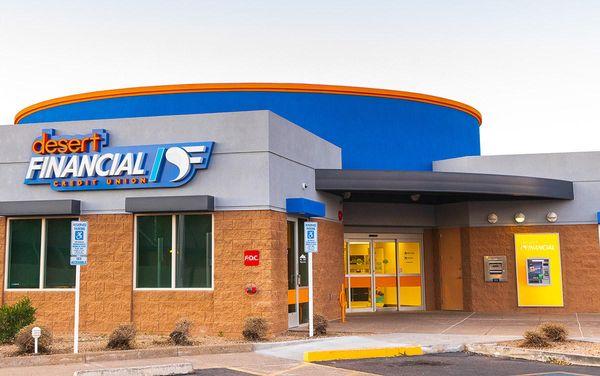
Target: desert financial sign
[[86, 162]]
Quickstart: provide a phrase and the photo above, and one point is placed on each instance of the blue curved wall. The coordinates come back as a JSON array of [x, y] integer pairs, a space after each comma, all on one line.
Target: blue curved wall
[[373, 132]]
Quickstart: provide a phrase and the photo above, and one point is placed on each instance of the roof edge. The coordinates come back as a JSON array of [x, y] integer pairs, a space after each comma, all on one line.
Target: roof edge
[[509, 186], [229, 87]]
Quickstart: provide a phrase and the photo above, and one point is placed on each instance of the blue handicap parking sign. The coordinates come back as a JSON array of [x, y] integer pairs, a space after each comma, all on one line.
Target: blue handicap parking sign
[[78, 235], [311, 240]]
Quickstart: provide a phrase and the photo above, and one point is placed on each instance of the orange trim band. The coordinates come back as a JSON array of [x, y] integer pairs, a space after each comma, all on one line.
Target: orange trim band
[[302, 295], [267, 87]]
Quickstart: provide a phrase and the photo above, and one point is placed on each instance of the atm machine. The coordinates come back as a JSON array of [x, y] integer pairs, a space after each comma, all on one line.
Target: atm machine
[[538, 272]]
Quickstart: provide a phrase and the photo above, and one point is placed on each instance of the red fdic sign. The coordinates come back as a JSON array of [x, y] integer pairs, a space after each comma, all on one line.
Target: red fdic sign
[[251, 258]]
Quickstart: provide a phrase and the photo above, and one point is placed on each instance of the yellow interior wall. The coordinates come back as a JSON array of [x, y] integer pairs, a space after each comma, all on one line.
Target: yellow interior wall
[[409, 256], [410, 296]]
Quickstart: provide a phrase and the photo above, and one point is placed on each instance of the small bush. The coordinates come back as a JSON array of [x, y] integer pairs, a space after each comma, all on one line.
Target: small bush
[[14, 318], [255, 329], [534, 339], [320, 325], [122, 337], [26, 342], [554, 332], [181, 334]]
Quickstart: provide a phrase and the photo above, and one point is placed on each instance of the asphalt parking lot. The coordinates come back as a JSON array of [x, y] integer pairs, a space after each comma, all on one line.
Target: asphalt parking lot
[[459, 364]]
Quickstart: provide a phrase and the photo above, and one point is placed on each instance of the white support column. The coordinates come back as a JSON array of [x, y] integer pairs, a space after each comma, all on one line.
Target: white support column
[[76, 325], [310, 296]]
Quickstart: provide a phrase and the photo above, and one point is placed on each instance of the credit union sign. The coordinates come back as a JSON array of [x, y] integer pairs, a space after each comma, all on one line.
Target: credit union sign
[[87, 162]]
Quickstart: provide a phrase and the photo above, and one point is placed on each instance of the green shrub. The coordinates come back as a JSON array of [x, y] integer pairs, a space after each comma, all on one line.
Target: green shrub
[[554, 332], [534, 339], [14, 318], [122, 337], [255, 329], [26, 343], [320, 325]]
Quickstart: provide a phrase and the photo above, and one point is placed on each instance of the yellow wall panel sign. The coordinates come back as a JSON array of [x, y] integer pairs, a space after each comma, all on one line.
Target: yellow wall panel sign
[[539, 272]]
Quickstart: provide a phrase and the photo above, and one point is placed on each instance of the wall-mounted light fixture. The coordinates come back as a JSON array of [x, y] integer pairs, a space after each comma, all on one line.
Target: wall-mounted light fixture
[[519, 217], [415, 197], [552, 217], [492, 218]]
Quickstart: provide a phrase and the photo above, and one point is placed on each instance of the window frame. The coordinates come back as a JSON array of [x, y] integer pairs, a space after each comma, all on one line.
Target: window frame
[[174, 254], [43, 252]]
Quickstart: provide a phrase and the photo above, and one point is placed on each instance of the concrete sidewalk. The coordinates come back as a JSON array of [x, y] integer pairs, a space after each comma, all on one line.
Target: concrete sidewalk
[[435, 331], [249, 363], [433, 343], [464, 323], [283, 358]]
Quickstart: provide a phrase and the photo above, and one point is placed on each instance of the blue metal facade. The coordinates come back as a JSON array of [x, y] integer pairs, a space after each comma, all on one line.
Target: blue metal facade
[[374, 133]]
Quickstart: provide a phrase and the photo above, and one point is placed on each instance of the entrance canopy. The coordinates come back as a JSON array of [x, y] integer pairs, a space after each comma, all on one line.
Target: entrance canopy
[[427, 187]]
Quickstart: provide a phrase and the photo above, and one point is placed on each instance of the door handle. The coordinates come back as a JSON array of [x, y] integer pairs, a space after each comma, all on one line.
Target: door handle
[[298, 279]]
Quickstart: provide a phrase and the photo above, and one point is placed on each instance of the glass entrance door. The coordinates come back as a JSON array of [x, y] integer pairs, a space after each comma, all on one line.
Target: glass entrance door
[[359, 273], [297, 273], [410, 275], [384, 274], [292, 253]]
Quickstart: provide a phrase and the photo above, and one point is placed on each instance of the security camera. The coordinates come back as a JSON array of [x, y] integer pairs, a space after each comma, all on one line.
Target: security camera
[[304, 185]]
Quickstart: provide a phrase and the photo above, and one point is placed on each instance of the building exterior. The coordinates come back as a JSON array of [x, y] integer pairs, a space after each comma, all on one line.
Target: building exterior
[[196, 196]]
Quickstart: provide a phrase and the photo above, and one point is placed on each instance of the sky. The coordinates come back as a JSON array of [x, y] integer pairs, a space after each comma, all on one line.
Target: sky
[[532, 68]]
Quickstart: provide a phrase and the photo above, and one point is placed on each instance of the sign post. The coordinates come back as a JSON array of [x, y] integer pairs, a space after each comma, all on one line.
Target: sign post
[[79, 252], [311, 245]]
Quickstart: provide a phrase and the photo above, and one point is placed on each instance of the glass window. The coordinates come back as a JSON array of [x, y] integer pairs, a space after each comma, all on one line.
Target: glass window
[[26, 248], [190, 261], [24, 253], [154, 238], [194, 255], [59, 272]]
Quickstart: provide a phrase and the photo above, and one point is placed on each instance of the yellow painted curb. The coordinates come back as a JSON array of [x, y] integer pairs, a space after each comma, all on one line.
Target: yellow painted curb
[[383, 352]]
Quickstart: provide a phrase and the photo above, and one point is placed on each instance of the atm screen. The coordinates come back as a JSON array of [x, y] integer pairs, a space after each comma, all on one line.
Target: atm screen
[[538, 272]]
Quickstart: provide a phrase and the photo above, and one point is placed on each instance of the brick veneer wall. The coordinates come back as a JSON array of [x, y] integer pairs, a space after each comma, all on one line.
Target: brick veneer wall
[[224, 309], [328, 269], [108, 298], [580, 255], [106, 281]]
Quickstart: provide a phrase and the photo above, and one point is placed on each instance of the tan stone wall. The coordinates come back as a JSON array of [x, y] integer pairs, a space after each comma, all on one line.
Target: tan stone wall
[[158, 311], [224, 309], [54, 309], [235, 232], [580, 254], [108, 298], [328, 269], [105, 282]]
